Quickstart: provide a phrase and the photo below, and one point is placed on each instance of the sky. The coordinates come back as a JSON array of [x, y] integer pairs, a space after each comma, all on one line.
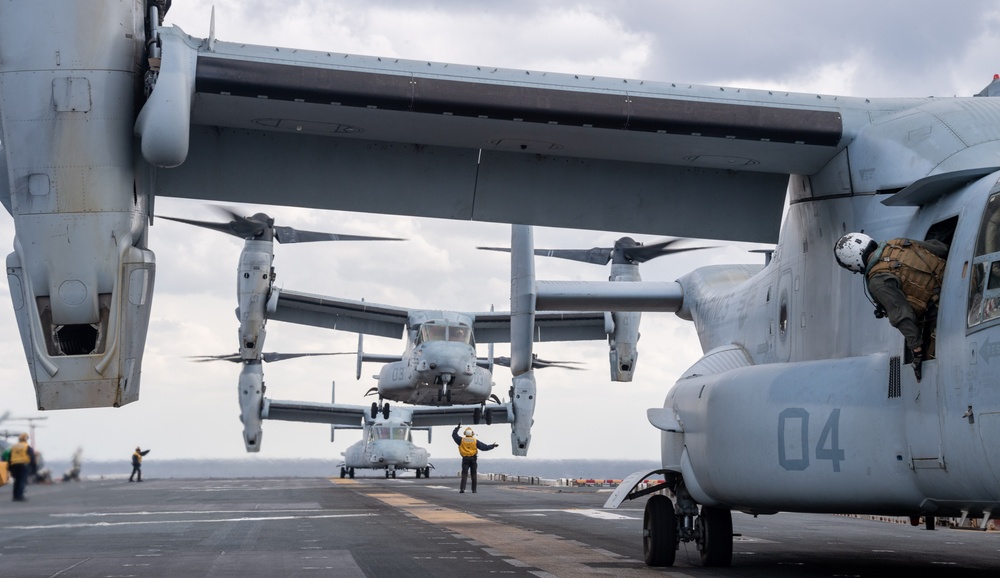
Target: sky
[[190, 410]]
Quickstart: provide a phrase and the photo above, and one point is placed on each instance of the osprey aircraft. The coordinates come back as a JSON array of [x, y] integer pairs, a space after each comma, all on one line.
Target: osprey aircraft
[[386, 442], [439, 365], [802, 400]]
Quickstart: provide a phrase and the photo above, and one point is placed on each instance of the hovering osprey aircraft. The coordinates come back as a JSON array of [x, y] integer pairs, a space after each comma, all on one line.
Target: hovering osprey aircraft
[[624, 256], [801, 401], [439, 365]]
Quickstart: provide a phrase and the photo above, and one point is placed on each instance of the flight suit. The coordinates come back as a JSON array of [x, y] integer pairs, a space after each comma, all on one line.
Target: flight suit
[[468, 448], [137, 463], [21, 460]]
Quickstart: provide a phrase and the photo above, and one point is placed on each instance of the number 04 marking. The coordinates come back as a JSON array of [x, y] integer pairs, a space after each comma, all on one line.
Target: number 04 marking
[[827, 448]]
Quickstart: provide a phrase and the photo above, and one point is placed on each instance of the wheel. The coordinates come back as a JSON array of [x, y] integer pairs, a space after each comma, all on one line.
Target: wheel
[[385, 410], [716, 536], [448, 396], [350, 473], [477, 415], [394, 474], [489, 417], [427, 472], [343, 472], [928, 522], [659, 532], [418, 473], [374, 410], [387, 473]]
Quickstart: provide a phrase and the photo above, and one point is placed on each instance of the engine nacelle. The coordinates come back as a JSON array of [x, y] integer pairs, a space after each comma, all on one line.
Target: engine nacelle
[[80, 275], [523, 401], [253, 288], [251, 393]]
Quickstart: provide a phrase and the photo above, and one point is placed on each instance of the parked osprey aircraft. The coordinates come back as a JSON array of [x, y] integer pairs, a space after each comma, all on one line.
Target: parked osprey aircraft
[[801, 401], [624, 256], [385, 444], [386, 440]]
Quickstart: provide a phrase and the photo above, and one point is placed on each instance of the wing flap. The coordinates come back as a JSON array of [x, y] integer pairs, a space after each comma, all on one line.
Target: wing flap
[[340, 314]]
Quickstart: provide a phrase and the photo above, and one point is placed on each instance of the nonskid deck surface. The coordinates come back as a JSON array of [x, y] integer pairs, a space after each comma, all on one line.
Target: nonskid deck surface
[[394, 527]]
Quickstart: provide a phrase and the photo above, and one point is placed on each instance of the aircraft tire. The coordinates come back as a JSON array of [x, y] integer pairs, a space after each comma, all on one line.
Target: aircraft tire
[[387, 473], [343, 473], [489, 417], [716, 543], [394, 474], [385, 410], [418, 472], [659, 524], [350, 473], [477, 416], [374, 410]]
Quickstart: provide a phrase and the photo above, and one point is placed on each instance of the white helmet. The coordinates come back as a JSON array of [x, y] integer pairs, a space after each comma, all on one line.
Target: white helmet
[[851, 250], [469, 433]]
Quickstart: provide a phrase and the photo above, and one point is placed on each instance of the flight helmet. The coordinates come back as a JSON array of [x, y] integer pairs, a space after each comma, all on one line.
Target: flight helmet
[[469, 433], [851, 250]]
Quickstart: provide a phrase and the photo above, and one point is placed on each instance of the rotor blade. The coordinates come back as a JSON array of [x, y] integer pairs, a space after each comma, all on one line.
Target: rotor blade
[[292, 235], [538, 363], [596, 255], [643, 253], [266, 356], [229, 228]]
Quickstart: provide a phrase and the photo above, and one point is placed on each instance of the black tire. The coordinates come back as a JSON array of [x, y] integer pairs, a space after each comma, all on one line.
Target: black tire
[[343, 473], [350, 473], [928, 522], [387, 473], [716, 548], [374, 410], [427, 472], [477, 416], [385, 410], [489, 417], [659, 532]]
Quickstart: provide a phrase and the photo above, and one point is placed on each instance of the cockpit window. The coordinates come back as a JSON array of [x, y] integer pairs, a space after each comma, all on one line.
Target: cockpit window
[[384, 432], [984, 283], [432, 332], [444, 332], [459, 333]]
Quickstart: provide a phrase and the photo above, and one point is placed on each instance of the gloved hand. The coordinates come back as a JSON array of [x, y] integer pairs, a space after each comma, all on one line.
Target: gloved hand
[[496, 445], [918, 359]]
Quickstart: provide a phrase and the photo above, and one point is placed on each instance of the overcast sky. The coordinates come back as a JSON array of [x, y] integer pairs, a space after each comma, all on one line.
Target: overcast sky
[[190, 410]]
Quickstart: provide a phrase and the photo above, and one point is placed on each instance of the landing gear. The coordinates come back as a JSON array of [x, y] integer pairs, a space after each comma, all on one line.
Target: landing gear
[[477, 415], [664, 527], [385, 411], [387, 473], [427, 472], [350, 473], [418, 472], [714, 535], [343, 473], [489, 417], [659, 532]]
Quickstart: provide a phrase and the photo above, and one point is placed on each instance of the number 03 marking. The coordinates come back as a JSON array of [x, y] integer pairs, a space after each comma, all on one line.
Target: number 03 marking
[[793, 447]]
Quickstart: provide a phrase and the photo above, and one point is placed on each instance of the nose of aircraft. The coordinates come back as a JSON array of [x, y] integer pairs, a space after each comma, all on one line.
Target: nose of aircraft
[[393, 452], [450, 358]]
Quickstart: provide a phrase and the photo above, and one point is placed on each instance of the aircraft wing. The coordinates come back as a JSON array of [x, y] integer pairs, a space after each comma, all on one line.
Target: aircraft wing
[[459, 414], [341, 314], [314, 412], [257, 124], [494, 326]]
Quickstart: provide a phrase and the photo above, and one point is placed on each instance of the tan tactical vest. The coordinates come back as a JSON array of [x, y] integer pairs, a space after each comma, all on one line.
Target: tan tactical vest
[[919, 271]]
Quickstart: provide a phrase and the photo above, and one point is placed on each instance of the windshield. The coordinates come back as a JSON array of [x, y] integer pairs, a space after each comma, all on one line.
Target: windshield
[[385, 432], [431, 331]]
